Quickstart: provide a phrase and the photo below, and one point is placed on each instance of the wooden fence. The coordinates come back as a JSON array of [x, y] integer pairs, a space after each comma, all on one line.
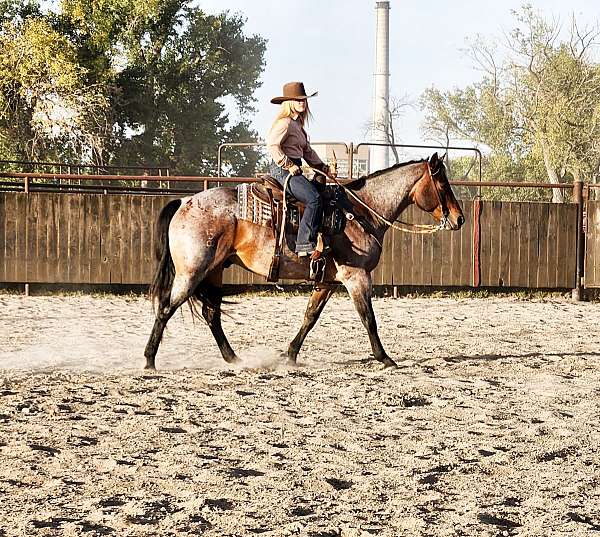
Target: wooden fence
[[592, 246], [109, 239]]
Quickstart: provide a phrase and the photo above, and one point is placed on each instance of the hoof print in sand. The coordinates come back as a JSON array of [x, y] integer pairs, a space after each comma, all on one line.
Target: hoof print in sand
[[173, 430], [338, 484], [219, 504], [497, 521], [153, 513], [244, 472], [46, 449]]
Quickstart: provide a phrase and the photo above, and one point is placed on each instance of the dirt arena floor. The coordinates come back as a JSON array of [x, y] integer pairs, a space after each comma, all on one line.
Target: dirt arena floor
[[490, 427]]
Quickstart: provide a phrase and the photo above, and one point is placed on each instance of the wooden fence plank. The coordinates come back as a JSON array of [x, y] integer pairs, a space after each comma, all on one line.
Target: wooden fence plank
[[401, 264], [541, 269], [568, 245], [495, 274], [485, 242], [115, 238], [43, 261], [387, 261], [3, 262], [505, 246], [32, 238], [426, 252], [10, 227], [83, 232], [20, 244], [592, 257], [134, 264], [552, 245], [62, 233], [124, 240], [147, 218], [11, 239], [437, 256], [466, 246], [533, 244], [71, 237]]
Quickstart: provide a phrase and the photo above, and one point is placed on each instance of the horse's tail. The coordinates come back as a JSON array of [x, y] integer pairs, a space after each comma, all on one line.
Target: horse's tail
[[160, 288]]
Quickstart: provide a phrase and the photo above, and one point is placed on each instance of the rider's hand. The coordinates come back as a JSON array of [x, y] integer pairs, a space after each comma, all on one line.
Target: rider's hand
[[331, 172], [295, 170]]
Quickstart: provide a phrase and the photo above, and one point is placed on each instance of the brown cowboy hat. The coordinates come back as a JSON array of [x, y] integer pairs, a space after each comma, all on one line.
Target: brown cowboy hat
[[293, 91]]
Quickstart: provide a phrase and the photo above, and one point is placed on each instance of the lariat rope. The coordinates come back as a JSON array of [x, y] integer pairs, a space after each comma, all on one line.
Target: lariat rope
[[420, 229]]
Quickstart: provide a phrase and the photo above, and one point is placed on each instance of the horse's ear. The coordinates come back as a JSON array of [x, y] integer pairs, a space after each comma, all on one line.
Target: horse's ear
[[433, 160], [443, 157]]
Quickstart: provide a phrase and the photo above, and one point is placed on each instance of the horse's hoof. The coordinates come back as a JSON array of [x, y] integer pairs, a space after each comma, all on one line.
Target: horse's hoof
[[233, 360], [151, 367], [389, 363], [291, 362]]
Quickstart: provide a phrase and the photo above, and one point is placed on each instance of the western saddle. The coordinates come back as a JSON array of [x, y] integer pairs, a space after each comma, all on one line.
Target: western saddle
[[269, 192]]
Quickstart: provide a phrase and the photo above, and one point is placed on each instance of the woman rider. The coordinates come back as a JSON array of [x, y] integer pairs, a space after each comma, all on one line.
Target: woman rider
[[288, 144]]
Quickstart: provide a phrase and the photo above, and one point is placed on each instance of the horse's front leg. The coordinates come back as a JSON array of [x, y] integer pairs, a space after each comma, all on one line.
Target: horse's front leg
[[359, 285], [316, 303]]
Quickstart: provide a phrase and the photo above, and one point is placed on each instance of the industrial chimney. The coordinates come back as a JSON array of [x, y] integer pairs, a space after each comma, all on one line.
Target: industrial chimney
[[379, 156]]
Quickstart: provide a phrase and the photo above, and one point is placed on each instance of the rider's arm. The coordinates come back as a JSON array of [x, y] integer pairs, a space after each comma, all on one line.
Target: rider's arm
[[275, 138], [310, 156], [314, 161]]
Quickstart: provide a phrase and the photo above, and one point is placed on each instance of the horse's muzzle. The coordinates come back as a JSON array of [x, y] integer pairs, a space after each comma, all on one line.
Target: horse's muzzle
[[453, 224], [459, 222]]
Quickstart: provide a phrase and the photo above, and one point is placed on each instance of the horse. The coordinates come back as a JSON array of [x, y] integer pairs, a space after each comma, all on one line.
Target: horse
[[197, 236]]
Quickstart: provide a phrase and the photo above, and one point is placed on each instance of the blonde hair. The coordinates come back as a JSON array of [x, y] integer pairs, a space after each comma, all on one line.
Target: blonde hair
[[286, 110]]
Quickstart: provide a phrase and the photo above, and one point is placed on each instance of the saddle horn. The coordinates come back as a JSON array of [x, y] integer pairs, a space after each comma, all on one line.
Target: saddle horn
[[333, 163]]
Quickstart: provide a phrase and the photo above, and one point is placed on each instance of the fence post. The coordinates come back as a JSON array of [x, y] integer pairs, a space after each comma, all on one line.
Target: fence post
[[476, 258], [578, 292], [350, 160]]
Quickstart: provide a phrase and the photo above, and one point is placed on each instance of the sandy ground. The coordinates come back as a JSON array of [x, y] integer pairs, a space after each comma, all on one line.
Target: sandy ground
[[490, 427]]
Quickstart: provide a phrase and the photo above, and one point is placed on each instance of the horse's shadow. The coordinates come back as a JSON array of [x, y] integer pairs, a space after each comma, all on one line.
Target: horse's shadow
[[463, 358], [493, 357]]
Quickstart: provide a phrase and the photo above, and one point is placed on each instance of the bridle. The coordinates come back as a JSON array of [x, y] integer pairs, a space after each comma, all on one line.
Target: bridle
[[411, 228], [444, 221]]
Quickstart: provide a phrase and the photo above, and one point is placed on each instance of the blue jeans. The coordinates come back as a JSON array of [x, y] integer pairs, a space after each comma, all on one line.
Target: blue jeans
[[304, 191]]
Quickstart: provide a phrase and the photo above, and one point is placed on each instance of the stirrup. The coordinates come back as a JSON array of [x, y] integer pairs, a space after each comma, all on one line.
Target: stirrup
[[317, 269]]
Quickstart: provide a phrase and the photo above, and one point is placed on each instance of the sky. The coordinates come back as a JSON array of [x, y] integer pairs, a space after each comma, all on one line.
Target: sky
[[330, 46]]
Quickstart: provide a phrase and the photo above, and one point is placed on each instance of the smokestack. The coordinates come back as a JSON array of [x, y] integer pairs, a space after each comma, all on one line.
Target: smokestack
[[381, 98]]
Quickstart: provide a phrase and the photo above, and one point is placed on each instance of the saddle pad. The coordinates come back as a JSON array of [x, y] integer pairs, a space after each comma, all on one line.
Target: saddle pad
[[251, 208]]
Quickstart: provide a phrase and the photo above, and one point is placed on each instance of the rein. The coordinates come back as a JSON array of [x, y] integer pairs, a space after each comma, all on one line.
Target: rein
[[419, 229]]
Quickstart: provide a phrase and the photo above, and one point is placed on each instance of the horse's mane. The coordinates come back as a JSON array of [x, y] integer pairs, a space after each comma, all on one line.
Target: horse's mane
[[357, 184]]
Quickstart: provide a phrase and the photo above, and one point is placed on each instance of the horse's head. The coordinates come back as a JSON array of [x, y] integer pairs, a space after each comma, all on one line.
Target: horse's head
[[432, 193]]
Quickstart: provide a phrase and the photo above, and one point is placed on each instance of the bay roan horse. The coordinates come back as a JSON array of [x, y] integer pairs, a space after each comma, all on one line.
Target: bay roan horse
[[200, 234]]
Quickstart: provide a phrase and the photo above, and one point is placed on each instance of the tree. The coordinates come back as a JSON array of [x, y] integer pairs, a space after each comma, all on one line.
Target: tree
[[126, 81], [45, 109], [541, 105], [396, 109], [175, 69]]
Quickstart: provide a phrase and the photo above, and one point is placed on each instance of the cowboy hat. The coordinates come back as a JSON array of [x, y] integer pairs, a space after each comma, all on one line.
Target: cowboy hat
[[293, 91]]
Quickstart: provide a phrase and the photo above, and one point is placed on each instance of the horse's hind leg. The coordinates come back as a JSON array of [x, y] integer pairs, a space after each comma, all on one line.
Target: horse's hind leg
[[360, 287], [210, 293], [181, 290], [316, 303]]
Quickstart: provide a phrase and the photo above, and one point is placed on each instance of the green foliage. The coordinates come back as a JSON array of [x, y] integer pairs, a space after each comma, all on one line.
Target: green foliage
[[126, 81], [536, 115], [499, 167], [18, 10], [44, 105]]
